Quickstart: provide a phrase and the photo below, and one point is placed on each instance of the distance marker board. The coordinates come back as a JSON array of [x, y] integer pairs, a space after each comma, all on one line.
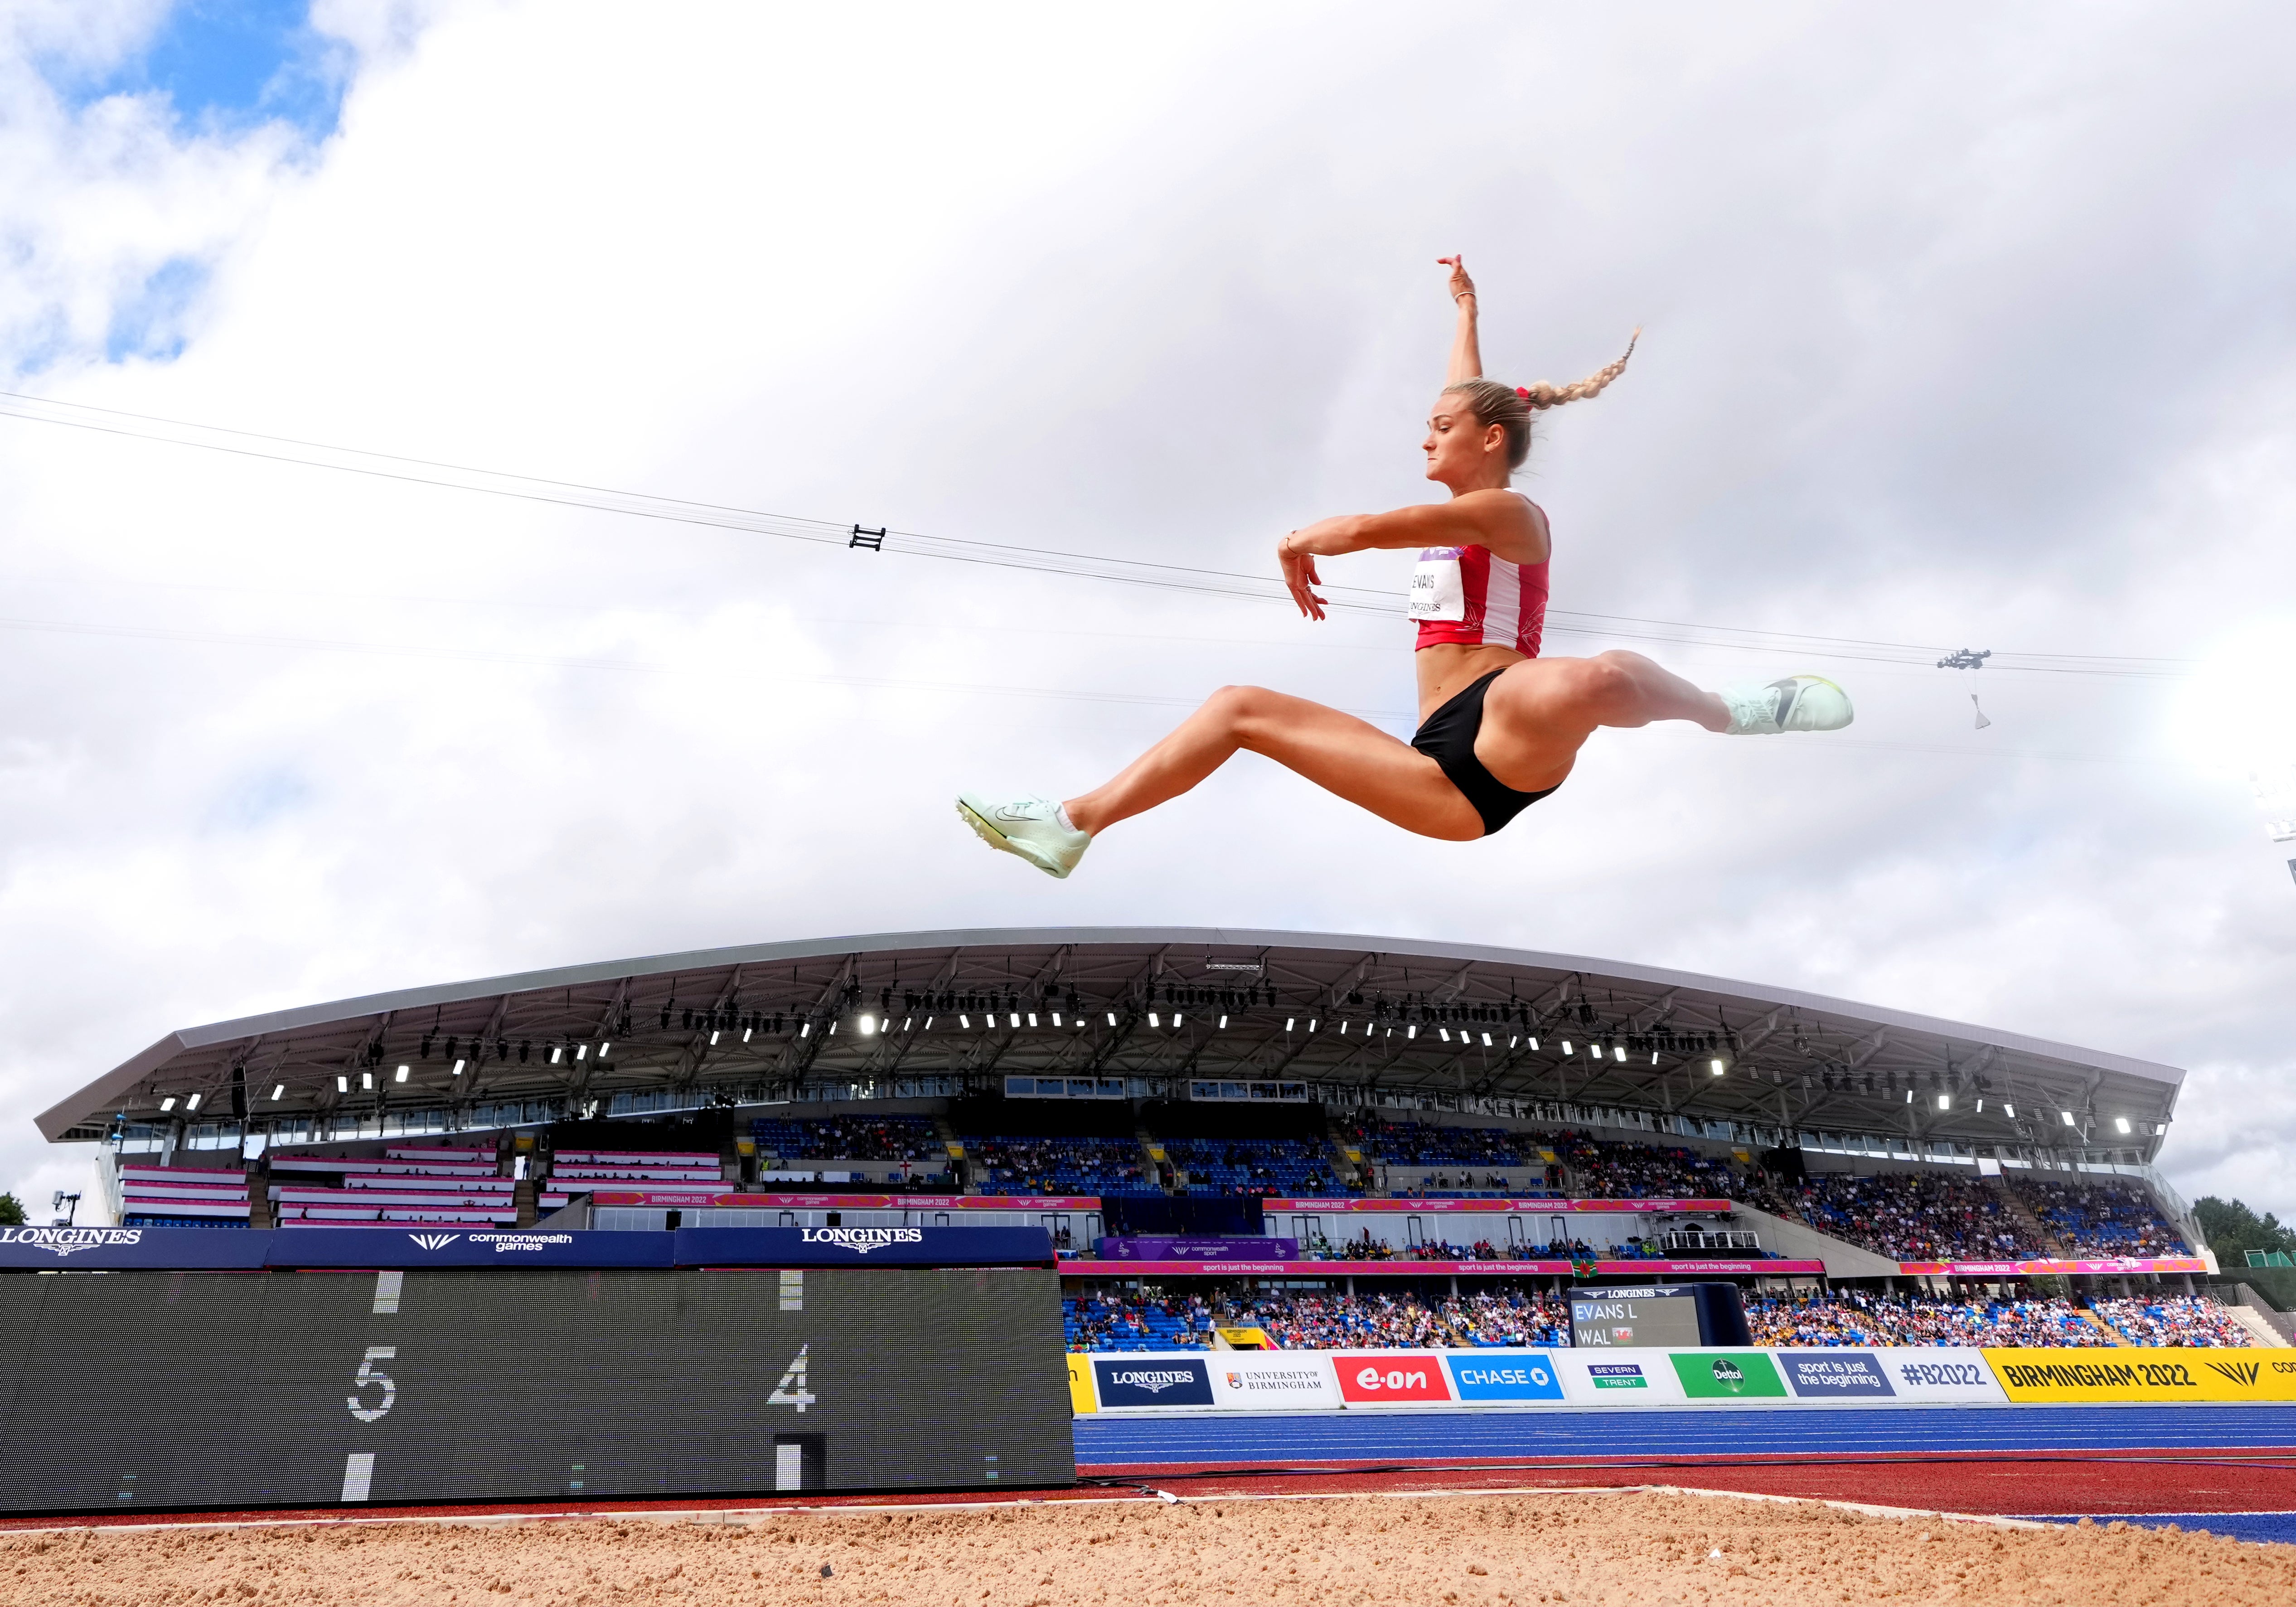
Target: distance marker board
[[134, 1391]]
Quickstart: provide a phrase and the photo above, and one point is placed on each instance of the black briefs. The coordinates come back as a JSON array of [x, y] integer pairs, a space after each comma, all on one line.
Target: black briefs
[[1449, 738]]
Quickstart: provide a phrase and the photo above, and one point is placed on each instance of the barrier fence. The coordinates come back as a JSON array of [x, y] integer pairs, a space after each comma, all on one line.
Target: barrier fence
[[1134, 1382]]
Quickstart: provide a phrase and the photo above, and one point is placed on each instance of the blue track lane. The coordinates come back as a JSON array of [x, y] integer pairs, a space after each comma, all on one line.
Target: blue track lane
[[1578, 1436]]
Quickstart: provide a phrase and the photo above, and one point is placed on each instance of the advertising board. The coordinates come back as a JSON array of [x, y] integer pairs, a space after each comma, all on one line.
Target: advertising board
[[2125, 1373], [1391, 1378], [1727, 1375], [1618, 1378], [1836, 1376], [1082, 1401], [1279, 1380], [1947, 1374], [1480, 1376], [1153, 1381]]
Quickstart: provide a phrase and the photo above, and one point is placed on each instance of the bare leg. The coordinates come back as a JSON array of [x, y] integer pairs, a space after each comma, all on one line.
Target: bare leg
[[1541, 712], [1337, 751]]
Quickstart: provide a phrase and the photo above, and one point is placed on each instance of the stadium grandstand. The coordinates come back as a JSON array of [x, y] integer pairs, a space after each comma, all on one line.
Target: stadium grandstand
[[1469, 1129]]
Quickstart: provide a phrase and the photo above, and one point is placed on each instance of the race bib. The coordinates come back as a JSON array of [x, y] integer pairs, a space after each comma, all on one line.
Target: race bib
[[1436, 591]]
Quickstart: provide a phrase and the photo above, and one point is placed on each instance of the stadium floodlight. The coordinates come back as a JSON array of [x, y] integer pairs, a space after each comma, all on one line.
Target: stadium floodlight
[[278, 1092], [192, 1103], [1945, 1102], [1486, 1041], [582, 1051], [965, 1022], [401, 1077], [458, 1067], [1716, 1066], [2159, 1129], [558, 1051], [1155, 1019], [1534, 1040], [1176, 1018], [2068, 1115], [905, 1020], [868, 1025], [1444, 1033], [1566, 1046], [804, 1029], [1412, 1033], [1016, 1019], [2009, 1110], [713, 1044], [1289, 1022], [168, 1103], [342, 1084], [2120, 1124], [928, 1021], [1056, 1017], [605, 1048], [1032, 1018], [745, 1034], [1909, 1096], [1223, 1024], [1311, 1023], [366, 1081], [1111, 1017], [1619, 1053]]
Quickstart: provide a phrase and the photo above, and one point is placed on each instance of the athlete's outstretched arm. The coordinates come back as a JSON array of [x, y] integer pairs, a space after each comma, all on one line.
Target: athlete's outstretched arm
[[1499, 520], [1466, 352]]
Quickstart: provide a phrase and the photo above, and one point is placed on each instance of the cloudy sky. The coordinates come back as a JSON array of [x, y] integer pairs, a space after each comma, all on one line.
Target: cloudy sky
[[1968, 327]]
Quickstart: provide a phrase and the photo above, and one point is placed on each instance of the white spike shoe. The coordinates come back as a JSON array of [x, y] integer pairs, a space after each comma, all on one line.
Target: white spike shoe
[[1029, 827], [1796, 704]]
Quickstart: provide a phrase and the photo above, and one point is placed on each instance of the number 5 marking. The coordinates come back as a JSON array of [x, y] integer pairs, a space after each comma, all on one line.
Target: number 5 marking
[[367, 1375]]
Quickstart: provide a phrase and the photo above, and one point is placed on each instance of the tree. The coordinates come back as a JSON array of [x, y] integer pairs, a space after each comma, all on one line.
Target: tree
[[12, 1211], [2234, 1230]]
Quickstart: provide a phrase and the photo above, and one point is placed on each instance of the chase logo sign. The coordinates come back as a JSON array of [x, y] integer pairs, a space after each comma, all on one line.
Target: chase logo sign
[[1506, 1378], [65, 1241], [1837, 1376], [861, 1241], [1155, 1382]]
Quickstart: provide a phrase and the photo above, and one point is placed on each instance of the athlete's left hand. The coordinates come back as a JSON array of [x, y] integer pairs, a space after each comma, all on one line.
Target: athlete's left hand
[[1300, 575]]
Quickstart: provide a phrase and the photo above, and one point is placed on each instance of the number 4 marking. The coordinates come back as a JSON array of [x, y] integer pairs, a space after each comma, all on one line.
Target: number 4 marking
[[791, 1391]]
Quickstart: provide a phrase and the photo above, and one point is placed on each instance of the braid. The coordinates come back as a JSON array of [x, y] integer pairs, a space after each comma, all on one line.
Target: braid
[[1543, 395]]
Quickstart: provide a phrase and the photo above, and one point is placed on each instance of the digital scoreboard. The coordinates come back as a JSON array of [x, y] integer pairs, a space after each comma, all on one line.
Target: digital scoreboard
[[134, 1390], [1658, 1317]]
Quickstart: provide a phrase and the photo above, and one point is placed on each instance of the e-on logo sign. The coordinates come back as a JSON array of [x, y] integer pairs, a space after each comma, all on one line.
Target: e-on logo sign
[[1397, 1375]]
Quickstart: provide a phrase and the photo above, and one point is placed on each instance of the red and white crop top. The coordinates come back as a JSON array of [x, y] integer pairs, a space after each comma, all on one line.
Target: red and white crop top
[[1470, 596]]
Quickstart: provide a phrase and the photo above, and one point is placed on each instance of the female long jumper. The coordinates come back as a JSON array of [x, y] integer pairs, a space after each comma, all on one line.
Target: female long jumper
[[1499, 727]]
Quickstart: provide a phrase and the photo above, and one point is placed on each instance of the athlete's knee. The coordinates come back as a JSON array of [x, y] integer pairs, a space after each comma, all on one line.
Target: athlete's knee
[[1607, 682], [1236, 709]]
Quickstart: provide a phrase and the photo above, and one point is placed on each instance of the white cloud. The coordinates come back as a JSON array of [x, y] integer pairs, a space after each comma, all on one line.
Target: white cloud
[[1945, 342]]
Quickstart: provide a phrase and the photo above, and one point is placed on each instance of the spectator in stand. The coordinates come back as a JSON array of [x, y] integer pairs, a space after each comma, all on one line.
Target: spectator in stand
[[1916, 1217], [2100, 1219], [2179, 1320], [851, 1138], [1852, 1317]]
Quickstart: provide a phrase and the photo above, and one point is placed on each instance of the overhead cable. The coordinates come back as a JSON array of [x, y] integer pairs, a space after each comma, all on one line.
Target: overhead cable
[[1092, 566]]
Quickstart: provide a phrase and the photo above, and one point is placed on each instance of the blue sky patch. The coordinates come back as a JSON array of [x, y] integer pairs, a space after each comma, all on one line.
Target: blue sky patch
[[149, 324], [231, 64]]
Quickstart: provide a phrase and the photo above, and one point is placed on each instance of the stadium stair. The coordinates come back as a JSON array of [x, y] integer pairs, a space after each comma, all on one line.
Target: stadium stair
[[2112, 1335], [2023, 1215]]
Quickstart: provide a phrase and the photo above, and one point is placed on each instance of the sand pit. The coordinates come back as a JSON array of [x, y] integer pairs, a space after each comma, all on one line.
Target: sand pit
[[1393, 1551]]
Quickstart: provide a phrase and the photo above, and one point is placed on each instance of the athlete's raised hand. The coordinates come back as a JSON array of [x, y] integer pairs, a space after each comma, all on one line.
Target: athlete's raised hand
[[1460, 285], [1300, 575]]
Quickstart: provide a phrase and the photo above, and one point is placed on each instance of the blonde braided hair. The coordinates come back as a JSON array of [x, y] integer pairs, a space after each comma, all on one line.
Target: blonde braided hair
[[1510, 407]]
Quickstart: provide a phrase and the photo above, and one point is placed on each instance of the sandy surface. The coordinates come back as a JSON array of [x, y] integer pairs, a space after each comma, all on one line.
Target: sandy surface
[[1391, 1552]]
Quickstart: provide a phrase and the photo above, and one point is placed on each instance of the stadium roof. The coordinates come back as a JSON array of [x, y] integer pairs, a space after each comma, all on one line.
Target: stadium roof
[[1335, 1011]]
